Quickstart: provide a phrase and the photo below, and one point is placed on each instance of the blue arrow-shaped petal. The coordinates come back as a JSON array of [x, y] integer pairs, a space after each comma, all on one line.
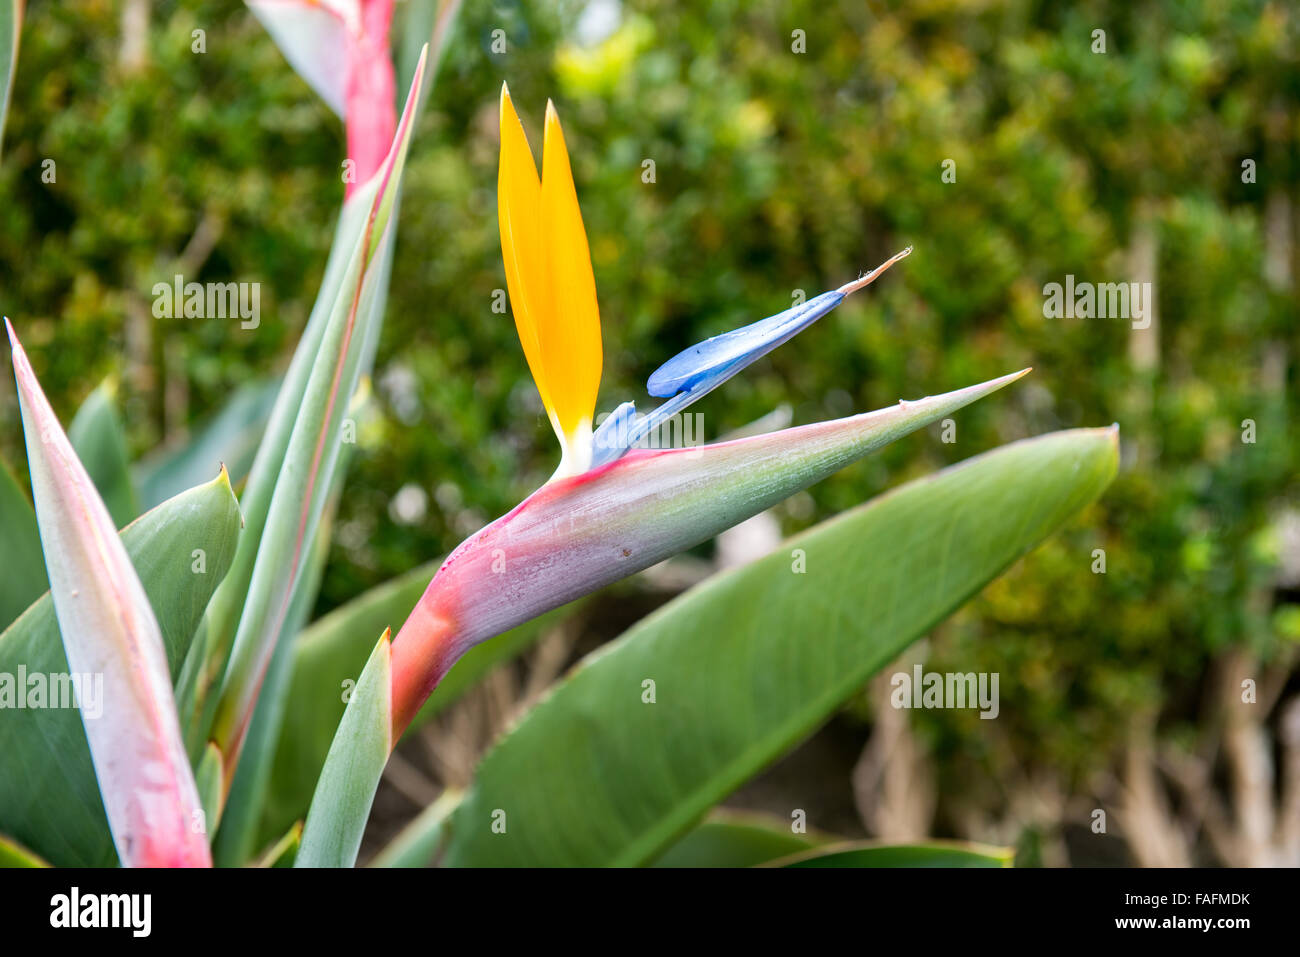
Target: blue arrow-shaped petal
[[700, 369]]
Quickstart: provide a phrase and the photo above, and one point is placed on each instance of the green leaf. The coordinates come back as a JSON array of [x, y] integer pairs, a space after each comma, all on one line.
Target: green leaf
[[339, 808], [871, 854], [229, 438], [13, 854], [24, 578], [97, 435], [11, 24], [754, 660], [737, 839], [417, 844], [421, 22], [327, 658], [43, 752]]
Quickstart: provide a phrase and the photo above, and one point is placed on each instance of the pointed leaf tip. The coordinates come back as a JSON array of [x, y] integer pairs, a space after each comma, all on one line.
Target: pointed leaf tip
[[112, 639], [345, 790]]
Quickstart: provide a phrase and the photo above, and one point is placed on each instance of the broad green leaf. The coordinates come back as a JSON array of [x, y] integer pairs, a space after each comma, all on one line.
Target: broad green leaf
[[24, 577], [737, 839], [97, 435], [327, 658], [752, 661], [339, 808], [11, 24], [13, 854], [417, 844], [312, 451], [930, 854], [43, 752], [118, 674], [229, 438]]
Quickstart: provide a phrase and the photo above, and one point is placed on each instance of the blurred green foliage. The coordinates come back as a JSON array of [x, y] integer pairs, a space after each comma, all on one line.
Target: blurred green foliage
[[774, 171]]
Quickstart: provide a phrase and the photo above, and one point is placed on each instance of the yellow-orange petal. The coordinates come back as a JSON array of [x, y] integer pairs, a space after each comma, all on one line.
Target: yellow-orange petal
[[568, 332], [519, 210]]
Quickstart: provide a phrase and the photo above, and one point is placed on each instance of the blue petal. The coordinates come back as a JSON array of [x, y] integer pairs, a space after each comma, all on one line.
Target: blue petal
[[715, 360], [610, 440], [691, 374], [658, 415], [701, 369]]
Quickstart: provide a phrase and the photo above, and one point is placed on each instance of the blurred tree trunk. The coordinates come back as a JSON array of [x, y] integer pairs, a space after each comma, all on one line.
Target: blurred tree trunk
[[893, 782], [134, 52], [1144, 264]]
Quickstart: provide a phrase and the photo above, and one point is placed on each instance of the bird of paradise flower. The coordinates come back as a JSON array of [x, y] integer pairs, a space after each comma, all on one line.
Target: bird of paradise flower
[[612, 509]]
